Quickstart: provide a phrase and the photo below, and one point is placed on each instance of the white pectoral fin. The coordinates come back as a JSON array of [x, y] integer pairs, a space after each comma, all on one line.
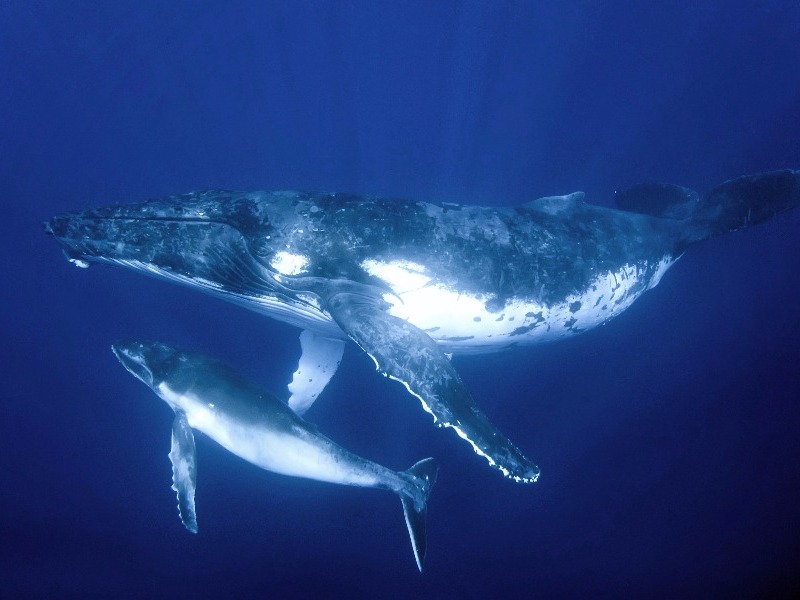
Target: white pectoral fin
[[184, 469], [318, 362], [407, 354]]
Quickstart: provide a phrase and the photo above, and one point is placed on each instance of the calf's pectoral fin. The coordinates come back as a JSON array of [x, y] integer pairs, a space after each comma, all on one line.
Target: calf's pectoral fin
[[184, 469], [406, 354]]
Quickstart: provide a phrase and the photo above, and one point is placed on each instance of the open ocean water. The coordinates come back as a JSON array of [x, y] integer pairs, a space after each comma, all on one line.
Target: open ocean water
[[668, 439]]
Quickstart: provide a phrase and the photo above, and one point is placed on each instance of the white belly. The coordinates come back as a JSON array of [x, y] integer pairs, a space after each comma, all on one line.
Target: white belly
[[460, 323], [298, 455], [286, 454]]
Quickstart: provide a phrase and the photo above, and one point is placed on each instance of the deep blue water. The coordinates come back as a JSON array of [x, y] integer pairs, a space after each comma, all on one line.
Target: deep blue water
[[668, 439]]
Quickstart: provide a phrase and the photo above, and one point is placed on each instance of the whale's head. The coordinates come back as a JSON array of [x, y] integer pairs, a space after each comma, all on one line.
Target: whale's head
[[150, 362], [252, 248], [178, 234], [223, 242]]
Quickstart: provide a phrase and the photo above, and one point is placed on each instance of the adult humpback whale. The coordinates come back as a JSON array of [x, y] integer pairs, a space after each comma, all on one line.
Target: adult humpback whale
[[251, 423], [410, 281]]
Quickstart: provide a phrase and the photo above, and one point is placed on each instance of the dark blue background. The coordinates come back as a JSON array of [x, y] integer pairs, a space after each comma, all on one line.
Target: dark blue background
[[668, 439]]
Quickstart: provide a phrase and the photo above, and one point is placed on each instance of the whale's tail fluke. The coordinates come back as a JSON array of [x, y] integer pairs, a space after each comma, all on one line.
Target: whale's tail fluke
[[745, 201], [735, 204], [421, 478]]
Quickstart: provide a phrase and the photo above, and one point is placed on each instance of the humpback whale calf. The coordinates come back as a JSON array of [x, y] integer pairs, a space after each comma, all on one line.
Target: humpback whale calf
[[412, 282], [251, 423]]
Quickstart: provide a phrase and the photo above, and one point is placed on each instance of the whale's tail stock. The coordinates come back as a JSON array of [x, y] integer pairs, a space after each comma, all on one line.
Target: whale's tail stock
[[733, 205]]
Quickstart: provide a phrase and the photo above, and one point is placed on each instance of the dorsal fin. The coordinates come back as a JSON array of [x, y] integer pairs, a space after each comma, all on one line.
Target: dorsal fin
[[555, 204], [663, 200]]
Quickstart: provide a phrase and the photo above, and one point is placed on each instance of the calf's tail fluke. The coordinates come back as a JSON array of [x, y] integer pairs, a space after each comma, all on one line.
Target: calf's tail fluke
[[421, 478]]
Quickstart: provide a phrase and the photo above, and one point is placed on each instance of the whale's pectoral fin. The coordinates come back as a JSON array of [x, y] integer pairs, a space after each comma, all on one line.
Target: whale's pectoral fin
[[318, 362], [184, 469], [406, 354]]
